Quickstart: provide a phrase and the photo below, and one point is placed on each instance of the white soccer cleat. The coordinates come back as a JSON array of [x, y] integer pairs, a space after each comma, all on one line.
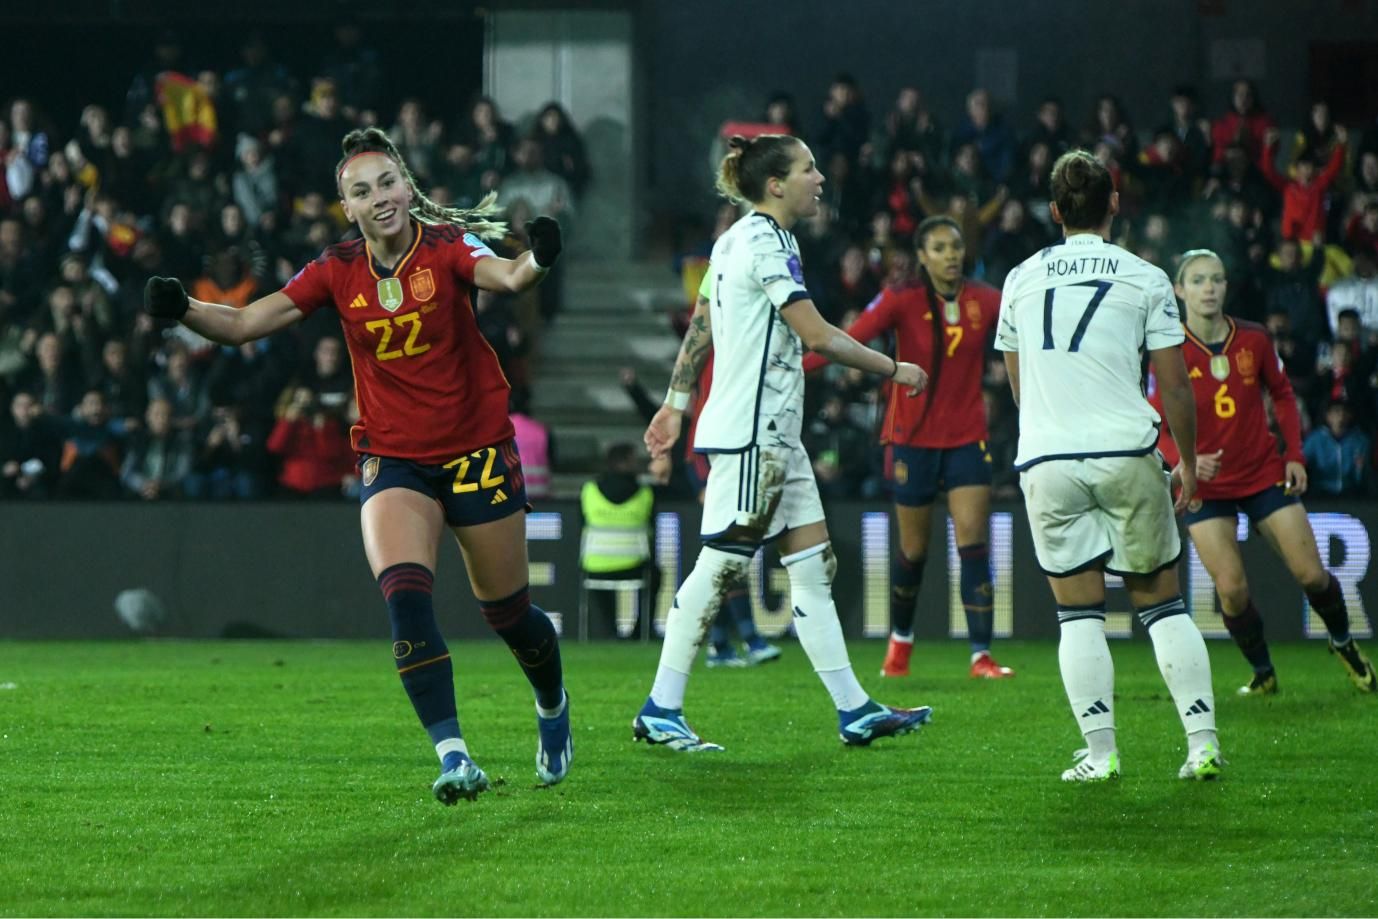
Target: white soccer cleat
[[1087, 770]]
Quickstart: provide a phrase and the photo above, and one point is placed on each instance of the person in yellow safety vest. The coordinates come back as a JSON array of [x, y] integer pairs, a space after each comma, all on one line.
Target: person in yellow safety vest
[[618, 511]]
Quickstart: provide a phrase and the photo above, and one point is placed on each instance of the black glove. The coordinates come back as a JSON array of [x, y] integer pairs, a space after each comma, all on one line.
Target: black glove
[[544, 233], [165, 298]]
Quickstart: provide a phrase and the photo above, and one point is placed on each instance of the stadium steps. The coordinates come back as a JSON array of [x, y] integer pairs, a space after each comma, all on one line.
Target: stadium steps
[[616, 314]]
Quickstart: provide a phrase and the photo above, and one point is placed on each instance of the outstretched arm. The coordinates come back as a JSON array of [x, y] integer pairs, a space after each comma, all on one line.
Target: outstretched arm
[[664, 428], [165, 298]]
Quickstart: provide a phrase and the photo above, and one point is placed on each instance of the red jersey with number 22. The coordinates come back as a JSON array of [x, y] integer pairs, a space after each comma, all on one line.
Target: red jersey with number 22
[[951, 411], [1228, 379], [427, 384]]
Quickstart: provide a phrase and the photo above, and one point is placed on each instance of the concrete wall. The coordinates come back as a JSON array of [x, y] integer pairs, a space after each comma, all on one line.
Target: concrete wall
[[298, 570], [585, 60]]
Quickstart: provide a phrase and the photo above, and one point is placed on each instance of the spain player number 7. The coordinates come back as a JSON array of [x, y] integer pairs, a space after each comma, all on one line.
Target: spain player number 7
[[1102, 288]]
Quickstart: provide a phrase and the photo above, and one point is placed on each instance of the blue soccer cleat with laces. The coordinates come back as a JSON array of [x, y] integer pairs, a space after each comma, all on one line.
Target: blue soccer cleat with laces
[[555, 748], [858, 728], [460, 777], [667, 726]]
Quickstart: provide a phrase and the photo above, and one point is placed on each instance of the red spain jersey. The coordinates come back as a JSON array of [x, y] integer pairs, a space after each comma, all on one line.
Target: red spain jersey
[[427, 384], [950, 412], [1228, 379]]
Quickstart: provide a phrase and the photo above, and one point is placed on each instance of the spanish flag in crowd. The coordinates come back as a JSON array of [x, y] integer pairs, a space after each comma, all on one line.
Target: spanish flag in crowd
[[188, 111]]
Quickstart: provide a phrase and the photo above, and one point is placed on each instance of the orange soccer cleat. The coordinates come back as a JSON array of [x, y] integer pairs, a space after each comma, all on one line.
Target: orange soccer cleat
[[897, 657], [985, 668]]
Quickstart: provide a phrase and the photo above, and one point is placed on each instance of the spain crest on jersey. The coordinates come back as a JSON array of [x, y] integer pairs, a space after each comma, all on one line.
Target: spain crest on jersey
[[1220, 367], [974, 312], [422, 285], [1244, 360]]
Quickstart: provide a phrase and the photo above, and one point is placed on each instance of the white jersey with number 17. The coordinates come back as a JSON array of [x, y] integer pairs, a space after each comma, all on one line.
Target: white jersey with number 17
[[1081, 314]]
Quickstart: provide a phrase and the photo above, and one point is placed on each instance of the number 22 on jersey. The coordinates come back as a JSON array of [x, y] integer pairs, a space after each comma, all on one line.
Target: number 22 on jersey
[[385, 329]]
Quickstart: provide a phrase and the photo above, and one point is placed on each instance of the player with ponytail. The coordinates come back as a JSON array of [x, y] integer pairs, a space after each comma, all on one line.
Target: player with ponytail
[[937, 442], [436, 446]]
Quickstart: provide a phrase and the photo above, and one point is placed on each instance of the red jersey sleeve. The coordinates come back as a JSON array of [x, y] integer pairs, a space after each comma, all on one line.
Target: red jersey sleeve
[[1284, 399], [310, 288], [467, 254], [878, 317]]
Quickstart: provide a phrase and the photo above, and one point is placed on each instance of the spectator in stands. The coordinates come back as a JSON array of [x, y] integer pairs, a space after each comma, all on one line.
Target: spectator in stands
[[544, 191], [1339, 378], [1110, 125], [1012, 240], [562, 149], [418, 140], [228, 278], [180, 385], [491, 140], [1193, 132], [230, 461], [846, 122], [850, 287], [910, 126], [1050, 129], [988, 131], [1244, 124], [1030, 185], [1303, 196], [1357, 294], [255, 184], [249, 89], [52, 377], [1337, 455], [329, 376], [313, 445], [120, 381], [1298, 358], [839, 448], [30, 450], [461, 176], [781, 111], [91, 449], [535, 445], [356, 70], [316, 139], [157, 458], [181, 247], [1292, 285]]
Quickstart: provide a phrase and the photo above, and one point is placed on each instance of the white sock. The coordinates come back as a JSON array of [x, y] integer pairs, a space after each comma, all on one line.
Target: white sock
[[816, 624], [451, 745], [553, 712], [696, 603], [902, 639], [1088, 675], [1185, 666]]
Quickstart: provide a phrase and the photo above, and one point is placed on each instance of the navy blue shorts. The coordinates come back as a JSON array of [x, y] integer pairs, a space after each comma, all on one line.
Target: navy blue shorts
[[479, 487], [917, 474], [1256, 506]]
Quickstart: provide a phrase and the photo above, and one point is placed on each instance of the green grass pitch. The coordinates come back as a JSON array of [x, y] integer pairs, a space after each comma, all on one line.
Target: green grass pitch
[[183, 778]]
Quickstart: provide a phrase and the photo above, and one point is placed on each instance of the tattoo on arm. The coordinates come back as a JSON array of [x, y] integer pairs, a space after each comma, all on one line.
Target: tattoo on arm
[[693, 352]]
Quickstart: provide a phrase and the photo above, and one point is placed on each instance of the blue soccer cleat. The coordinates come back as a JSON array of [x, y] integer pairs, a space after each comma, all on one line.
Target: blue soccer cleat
[[858, 728], [555, 747], [460, 777], [667, 726]]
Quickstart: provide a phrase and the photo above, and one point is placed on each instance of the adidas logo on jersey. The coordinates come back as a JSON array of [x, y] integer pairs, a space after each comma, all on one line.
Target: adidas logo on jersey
[[1195, 373], [1199, 707], [499, 496], [1099, 708], [358, 303]]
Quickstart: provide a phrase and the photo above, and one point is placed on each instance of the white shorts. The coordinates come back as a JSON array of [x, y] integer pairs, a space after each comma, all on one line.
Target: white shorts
[[763, 491], [1116, 509]]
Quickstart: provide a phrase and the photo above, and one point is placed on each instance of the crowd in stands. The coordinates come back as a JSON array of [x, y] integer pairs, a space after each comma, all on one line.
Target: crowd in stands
[[224, 180], [1294, 218]]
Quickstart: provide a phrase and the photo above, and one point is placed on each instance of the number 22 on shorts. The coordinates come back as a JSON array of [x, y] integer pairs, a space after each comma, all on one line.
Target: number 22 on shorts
[[485, 480]]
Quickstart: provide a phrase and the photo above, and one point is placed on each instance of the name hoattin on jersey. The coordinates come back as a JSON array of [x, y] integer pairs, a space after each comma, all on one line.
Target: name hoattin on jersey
[[1087, 264]]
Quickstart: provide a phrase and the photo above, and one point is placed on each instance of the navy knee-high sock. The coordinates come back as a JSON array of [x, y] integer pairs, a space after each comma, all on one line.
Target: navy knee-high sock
[[1329, 604], [1247, 631], [906, 575], [530, 635], [423, 660], [978, 596]]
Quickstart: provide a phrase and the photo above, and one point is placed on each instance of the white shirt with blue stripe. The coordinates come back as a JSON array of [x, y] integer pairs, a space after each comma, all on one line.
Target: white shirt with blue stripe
[[757, 398], [1081, 314]]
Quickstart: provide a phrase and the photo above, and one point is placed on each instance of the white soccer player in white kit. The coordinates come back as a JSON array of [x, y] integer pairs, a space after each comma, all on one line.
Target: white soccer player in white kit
[[760, 483], [1075, 321]]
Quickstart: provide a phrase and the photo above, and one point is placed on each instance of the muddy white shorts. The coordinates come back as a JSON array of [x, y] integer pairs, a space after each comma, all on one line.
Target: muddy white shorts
[[1113, 509], [762, 491]]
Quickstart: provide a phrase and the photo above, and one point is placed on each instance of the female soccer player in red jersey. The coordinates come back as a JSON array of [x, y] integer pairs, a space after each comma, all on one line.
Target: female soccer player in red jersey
[[434, 439], [937, 441], [1241, 469]]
